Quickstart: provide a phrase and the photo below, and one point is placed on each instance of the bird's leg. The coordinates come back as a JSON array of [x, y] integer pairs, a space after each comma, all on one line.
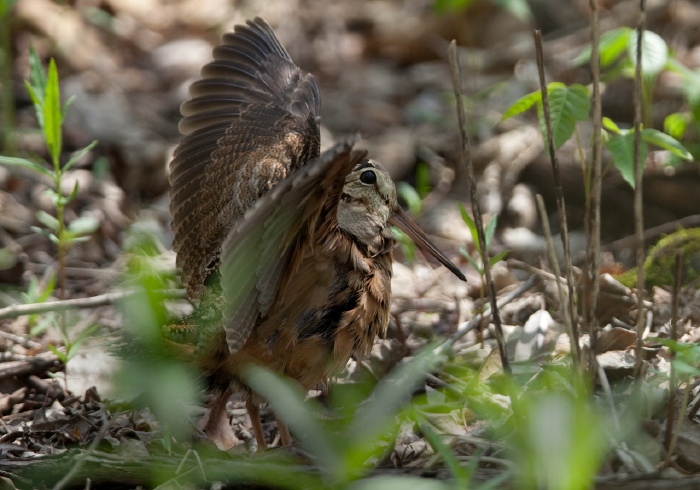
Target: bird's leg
[[254, 414], [285, 437], [216, 425]]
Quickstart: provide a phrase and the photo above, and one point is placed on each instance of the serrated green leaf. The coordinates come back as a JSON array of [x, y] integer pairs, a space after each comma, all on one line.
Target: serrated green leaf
[[622, 149], [21, 162], [654, 52], [666, 142], [566, 106], [47, 220], [676, 124], [611, 45], [52, 115], [522, 104]]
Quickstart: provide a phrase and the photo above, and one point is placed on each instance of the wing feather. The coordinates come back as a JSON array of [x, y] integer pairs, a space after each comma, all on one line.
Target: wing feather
[[252, 120], [259, 253]]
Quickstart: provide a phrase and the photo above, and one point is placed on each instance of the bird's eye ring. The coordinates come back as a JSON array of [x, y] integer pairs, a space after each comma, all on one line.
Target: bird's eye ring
[[368, 177]]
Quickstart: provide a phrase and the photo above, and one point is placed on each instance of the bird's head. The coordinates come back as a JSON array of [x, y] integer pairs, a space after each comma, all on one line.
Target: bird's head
[[368, 208]]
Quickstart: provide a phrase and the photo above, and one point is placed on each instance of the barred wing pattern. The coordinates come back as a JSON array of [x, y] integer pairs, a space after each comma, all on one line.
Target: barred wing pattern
[[274, 235], [252, 120]]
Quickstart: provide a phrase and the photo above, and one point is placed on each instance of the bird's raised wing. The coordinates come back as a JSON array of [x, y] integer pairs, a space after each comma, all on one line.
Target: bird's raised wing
[[273, 234], [252, 120]]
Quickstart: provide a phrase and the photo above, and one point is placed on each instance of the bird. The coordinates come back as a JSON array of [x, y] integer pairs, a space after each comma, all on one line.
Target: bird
[[285, 251]]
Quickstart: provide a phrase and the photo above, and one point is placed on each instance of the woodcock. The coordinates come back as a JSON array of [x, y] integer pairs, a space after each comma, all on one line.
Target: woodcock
[[286, 252]]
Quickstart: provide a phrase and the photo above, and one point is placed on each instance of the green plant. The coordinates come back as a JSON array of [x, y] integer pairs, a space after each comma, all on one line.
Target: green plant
[[569, 104], [413, 197], [7, 99], [489, 231], [171, 385], [518, 8], [618, 54], [44, 91]]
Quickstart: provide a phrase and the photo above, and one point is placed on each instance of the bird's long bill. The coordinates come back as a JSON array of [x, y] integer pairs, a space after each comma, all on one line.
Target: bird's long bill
[[401, 220]]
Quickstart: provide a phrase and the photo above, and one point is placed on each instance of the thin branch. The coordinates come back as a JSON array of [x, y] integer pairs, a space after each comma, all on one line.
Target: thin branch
[[13, 311], [573, 334], [674, 336], [570, 306], [474, 322], [466, 155], [593, 289], [638, 204]]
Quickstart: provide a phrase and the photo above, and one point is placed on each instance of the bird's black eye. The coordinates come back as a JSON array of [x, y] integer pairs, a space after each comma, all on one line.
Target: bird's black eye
[[368, 177]]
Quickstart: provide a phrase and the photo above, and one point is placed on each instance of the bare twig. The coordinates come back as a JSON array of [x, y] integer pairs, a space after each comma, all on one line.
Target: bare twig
[[466, 155], [573, 334], [593, 225], [13, 311], [674, 336], [638, 172], [474, 322], [36, 364], [569, 306]]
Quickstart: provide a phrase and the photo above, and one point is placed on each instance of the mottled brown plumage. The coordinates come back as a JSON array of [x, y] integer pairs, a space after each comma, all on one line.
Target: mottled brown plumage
[[288, 253]]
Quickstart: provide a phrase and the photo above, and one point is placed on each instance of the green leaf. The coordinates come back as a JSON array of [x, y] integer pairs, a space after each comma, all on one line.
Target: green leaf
[[656, 137], [47, 220], [21, 162], [654, 52], [6, 7], [522, 104], [675, 124], [78, 155], [66, 106], [84, 225], [611, 45], [459, 473], [490, 230], [471, 225], [37, 79], [566, 106], [299, 415], [61, 355], [498, 257], [610, 125], [372, 421], [517, 8], [409, 194], [442, 6], [471, 260], [73, 347], [622, 149], [52, 115], [423, 185]]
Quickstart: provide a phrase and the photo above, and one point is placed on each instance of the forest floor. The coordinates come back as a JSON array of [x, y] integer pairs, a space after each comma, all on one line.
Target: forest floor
[[383, 71]]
